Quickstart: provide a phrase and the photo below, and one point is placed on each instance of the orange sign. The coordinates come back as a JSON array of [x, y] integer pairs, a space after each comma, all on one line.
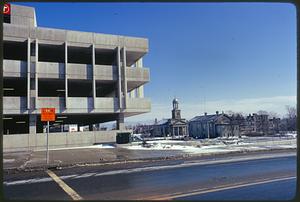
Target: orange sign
[[48, 114], [6, 9]]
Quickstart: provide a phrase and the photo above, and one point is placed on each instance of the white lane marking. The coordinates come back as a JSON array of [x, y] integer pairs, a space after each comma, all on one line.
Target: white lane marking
[[150, 168], [64, 186], [35, 180], [215, 189], [85, 175]]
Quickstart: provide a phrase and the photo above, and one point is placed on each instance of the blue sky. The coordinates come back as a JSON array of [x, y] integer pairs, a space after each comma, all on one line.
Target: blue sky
[[222, 56]]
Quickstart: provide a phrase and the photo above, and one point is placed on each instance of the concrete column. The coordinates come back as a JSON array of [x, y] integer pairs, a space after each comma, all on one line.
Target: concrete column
[[186, 131], [36, 70], [119, 78], [134, 92], [28, 73], [120, 122], [124, 77], [140, 90], [66, 75], [94, 80], [32, 124], [173, 132]]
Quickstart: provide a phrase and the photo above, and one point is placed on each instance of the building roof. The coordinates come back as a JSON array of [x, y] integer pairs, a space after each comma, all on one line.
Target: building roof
[[161, 122], [204, 118], [207, 118]]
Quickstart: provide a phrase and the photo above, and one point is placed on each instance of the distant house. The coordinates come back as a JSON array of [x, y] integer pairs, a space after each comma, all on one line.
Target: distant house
[[274, 125], [255, 125], [212, 126], [175, 127]]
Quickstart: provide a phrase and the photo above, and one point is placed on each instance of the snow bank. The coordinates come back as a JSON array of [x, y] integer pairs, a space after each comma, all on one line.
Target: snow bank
[[294, 135], [217, 145]]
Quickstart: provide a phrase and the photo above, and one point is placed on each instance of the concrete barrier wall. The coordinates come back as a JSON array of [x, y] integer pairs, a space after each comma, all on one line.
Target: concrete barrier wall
[[55, 102], [138, 104], [80, 102], [137, 74], [79, 71], [107, 104], [106, 72], [51, 70], [82, 39], [14, 105], [14, 68], [24, 142]]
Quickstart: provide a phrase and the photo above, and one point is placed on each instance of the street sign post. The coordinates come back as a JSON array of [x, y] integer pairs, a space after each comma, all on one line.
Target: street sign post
[[47, 114]]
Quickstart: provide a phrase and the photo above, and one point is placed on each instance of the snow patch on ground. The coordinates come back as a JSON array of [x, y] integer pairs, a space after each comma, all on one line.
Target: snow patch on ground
[[294, 135], [97, 146], [166, 141], [218, 145]]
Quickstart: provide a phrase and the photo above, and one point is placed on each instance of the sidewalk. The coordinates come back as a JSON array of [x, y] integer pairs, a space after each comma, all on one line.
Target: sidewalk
[[68, 157], [134, 152]]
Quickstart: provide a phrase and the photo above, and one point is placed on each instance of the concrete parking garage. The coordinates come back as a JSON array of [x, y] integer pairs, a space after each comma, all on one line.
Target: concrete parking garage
[[89, 78]]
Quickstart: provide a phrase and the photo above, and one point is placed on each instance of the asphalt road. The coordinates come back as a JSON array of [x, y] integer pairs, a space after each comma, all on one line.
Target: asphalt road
[[270, 178], [283, 189]]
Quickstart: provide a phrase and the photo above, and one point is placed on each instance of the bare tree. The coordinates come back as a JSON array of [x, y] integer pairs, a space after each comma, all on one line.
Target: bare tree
[[232, 113], [270, 114], [291, 111], [273, 115], [291, 118]]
